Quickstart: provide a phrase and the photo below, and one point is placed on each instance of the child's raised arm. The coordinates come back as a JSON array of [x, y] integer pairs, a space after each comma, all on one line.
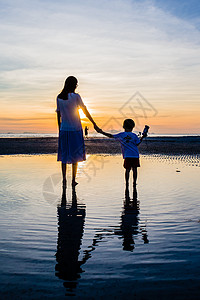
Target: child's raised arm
[[143, 136]]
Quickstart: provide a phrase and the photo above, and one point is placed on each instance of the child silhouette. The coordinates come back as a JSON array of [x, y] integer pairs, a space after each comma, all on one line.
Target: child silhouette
[[129, 142]]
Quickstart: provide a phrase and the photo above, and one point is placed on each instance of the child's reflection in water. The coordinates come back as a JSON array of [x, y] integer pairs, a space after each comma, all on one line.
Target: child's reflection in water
[[70, 232], [130, 222], [71, 219]]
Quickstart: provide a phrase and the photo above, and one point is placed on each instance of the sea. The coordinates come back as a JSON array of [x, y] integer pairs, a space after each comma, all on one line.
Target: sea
[[95, 135]]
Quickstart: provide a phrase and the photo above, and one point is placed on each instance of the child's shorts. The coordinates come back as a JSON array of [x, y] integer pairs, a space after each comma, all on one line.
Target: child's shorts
[[131, 162]]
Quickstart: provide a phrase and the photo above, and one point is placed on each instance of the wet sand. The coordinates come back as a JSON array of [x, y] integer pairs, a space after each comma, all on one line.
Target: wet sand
[[93, 244], [152, 145]]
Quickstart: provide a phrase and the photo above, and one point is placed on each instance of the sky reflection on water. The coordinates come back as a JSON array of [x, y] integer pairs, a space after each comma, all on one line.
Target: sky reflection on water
[[98, 236]]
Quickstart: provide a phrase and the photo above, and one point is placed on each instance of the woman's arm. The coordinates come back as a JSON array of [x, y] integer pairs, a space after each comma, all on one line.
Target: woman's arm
[[86, 112], [88, 115], [58, 119]]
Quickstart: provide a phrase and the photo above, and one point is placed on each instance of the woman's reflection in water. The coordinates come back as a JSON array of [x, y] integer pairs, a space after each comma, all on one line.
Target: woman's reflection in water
[[130, 222], [71, 220]]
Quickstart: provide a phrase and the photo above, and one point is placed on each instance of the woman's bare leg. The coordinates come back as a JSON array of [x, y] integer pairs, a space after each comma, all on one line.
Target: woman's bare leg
[[74, 171], [64, 173]]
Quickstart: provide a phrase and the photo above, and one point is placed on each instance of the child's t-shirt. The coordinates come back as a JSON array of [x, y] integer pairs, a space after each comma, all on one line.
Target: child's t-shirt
[[129, 142]]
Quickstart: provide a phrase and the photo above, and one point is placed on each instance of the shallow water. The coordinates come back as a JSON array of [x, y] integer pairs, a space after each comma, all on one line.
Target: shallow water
[[96, 242]]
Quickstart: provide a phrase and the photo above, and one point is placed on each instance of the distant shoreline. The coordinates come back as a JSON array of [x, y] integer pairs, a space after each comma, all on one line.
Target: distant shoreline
[[186, 145], [91, 135]]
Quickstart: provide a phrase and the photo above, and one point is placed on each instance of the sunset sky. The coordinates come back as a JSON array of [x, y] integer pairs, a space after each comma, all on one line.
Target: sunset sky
[[138, 59]]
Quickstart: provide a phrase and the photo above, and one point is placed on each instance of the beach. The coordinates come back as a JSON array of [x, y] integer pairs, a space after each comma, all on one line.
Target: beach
[[188, 145], [111, 88], [98, 240]]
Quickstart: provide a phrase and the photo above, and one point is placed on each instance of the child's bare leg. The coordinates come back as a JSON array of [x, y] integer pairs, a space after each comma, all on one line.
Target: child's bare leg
[[74, 171], [127, 173], [64, 173], [134, 176]]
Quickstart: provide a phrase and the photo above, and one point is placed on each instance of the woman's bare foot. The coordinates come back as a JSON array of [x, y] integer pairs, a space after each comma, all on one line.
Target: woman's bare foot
[[74, 183]]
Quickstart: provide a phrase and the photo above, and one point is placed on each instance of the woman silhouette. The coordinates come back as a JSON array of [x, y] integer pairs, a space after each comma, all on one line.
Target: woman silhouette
[[71, 148]]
